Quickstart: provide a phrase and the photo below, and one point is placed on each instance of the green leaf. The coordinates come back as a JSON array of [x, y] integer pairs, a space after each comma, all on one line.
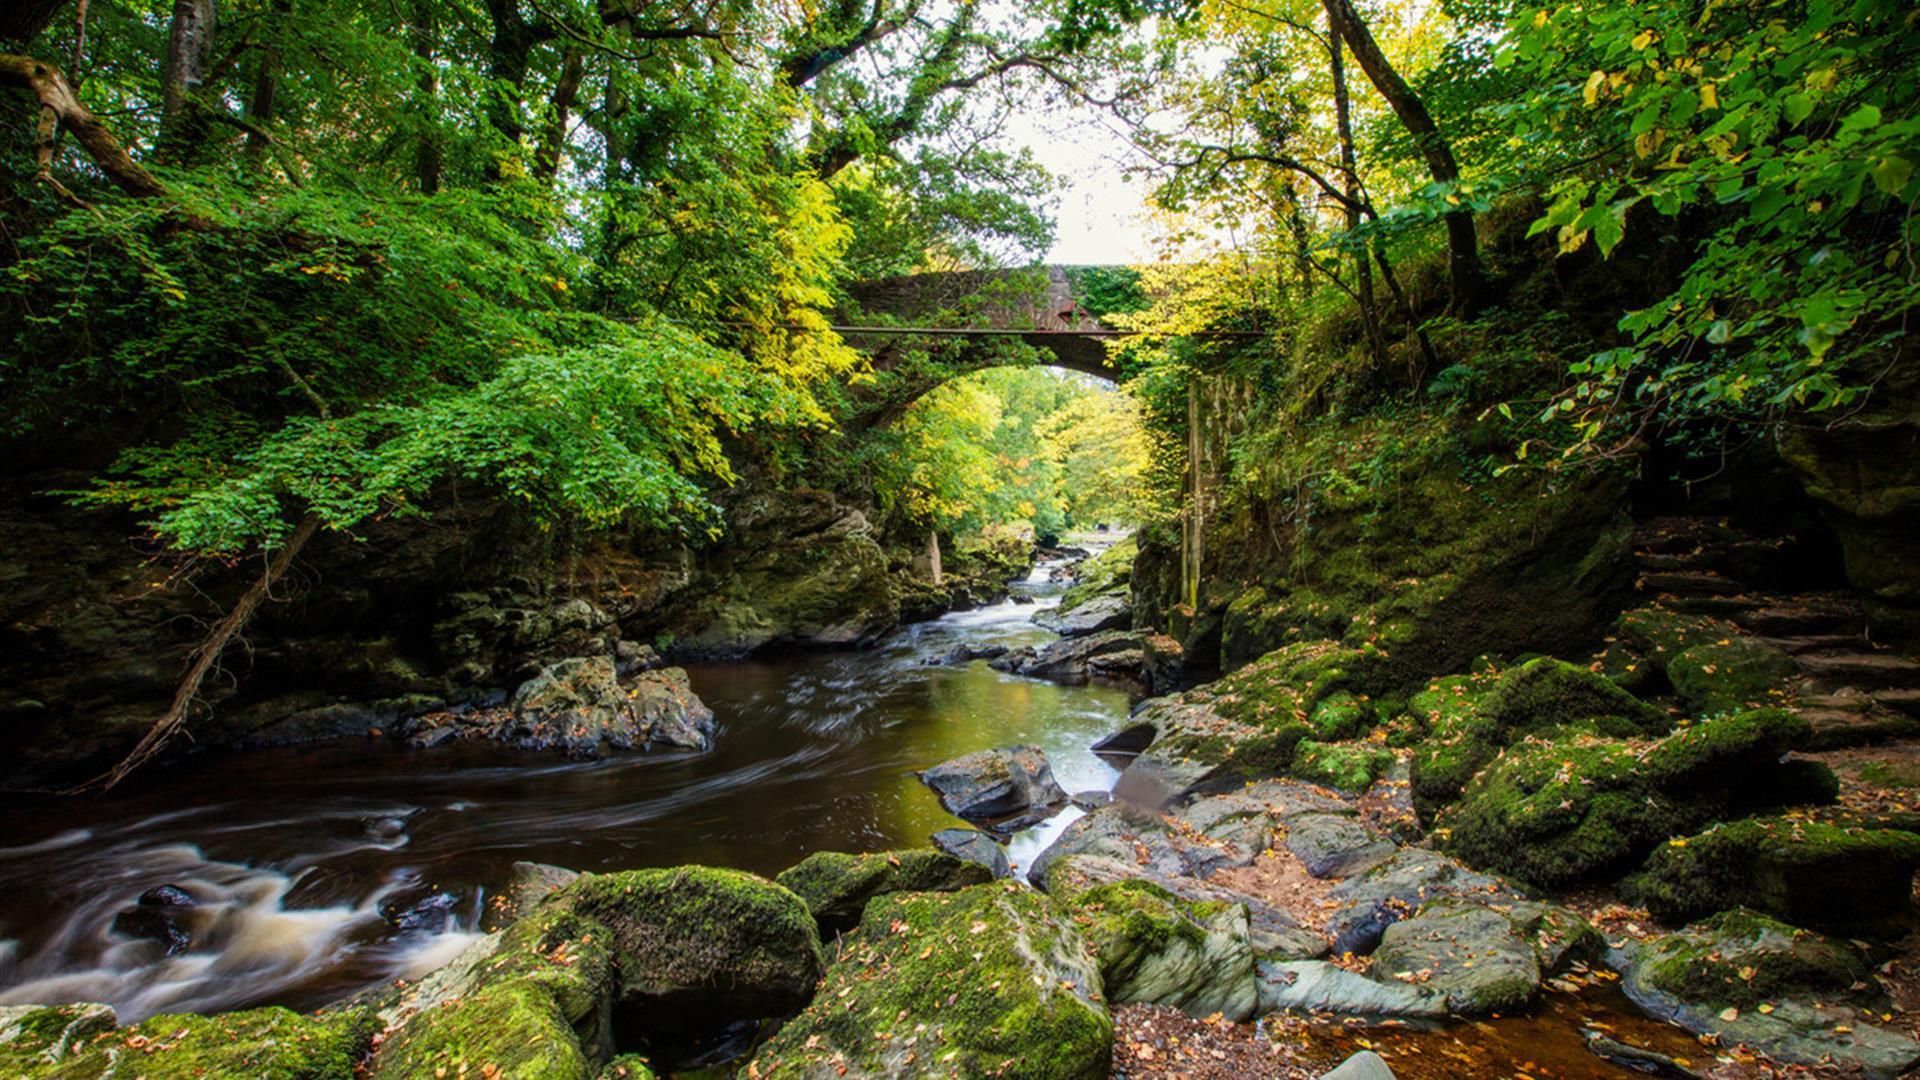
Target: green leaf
[[1891, 173], [1861, 119], [1797, 107]]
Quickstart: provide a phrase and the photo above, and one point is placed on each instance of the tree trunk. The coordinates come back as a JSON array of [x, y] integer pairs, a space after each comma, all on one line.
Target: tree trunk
[[1463, 251], [425, 32], [60, 109], [1362, 266], [189, 52], [933, 555], [266, 87], [202, 660], [553, 140], [22, 20], [509, 53]]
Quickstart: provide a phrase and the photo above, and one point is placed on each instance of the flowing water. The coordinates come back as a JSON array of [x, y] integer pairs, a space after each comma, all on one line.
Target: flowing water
[[322, 870]]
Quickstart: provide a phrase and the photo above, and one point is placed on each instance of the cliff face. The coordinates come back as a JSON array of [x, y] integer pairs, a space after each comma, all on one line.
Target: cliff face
[[95, 626]]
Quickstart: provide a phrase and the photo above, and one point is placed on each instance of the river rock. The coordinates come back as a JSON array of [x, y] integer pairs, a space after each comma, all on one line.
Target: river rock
[[837, 886], [952, 984], [1714, 976], [1365, 1065], [1109, 653], [1319, 987], [1271, 931], [161, 914], [582, 707], [1108, 612], [81, 1041], [1467, 952], [1156, 948], [34, 1038], [1006, 788], [1335, 845], [1368, 904], [528, 883], [1127, 832], [961, 654], [975, 847]]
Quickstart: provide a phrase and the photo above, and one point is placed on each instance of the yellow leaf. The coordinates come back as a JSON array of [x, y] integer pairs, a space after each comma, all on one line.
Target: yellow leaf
[[1709, 96], [1592, 91], [1643, 39]]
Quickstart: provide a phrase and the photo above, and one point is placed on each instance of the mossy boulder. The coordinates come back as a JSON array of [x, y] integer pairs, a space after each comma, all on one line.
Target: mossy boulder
[[1341, 715], [1659, 633], [836, 886], [990, 980], [703, 940], [1573, 806], [1110, 573], [1344, 766], [1743, 958], [1808, 873], [1465, 950], [627, 1067], [533, 1001], [1156, 948], [1730, 674], [80, 1042], [1795, 996]]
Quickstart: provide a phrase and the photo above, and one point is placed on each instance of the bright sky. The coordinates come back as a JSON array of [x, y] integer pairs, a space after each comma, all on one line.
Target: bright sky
[[1101, 214]]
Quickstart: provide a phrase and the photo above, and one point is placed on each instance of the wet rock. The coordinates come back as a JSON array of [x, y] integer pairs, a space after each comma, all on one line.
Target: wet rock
[[1365, 1065], [1130, 833], [1007, 788], [1320, 987], [975, 847], [1809, 873], [430, 914], [1637, 1058], [581, 707], [1165, 665], [1335, 846], [1370, 903], [34, 1038], [1090, 800], [1126, 742], [1020, 598], [1466, 951], [1110, 653], [528, 883], [81, 1041], [1271, 931], [973, 980], [161, 914], [1098, 614], [961, 654], [1156, 948], [1715, 977], [837, 886]]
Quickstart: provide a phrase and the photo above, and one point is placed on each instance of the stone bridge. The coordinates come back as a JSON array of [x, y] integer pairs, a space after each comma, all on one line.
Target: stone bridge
[[965, 320]]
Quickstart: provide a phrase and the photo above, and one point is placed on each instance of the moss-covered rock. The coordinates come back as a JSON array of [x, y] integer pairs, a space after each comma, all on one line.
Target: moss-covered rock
[[836, 886], [1345, 766], [627, 1067], [1109, 573], [1808, 873], [1743, 958], [1730, 674], [703, 940], [1155, 948], [1341, 715], [990, 980], [1465, 950], [1726, 750], [1660, 633], [79, 1042]]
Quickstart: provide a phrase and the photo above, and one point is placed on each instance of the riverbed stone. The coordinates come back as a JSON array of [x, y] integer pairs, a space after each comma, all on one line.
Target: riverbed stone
[[36, 1037], [1790, 993], [1123, 831], [1272, 931], [528, 883], [80, 1042], [1107, 653], [1156, 948], [1364, 1065], [975, 847], [837, 886], [1317, 986], [1007, 788], [1107, 612], [583, 707], [974, 982], [1336, 845], [1368, 904]]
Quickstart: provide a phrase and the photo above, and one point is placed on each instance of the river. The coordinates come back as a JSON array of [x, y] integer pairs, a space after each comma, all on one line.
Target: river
[[326, 869]]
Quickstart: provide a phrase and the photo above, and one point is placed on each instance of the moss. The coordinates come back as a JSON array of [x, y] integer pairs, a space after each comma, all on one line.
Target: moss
[[1555, 813], [836, 886], [1340, 715], [627, 1067], [1896, 774], [986, 981], [536, 1007], [1629, 669], [697, 934], [1346, 766], [1547, 693], [1741, 958], [1660, 634], [1289, 682], [1124, 920], [1806, 872], [1268, 753], [1111, 571], [268, 1044], [34, 1037], [1723, 748], [1730, 674]]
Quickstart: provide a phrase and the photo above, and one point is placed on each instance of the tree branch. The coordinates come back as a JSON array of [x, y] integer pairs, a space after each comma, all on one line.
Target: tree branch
[[61, 109]]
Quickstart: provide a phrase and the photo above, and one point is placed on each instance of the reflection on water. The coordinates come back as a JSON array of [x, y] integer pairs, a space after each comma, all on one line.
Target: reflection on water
[[317, 871]]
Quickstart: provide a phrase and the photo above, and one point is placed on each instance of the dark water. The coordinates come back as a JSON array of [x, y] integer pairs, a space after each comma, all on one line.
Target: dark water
[[300, 856]]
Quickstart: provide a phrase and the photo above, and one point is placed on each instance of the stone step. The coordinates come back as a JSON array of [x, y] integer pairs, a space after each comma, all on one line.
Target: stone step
[[1690, 583], [1813, 643], [1689, 560], [1906, 700], [1724, 607], [1678, 535], [1837, 729], [1801, 616], [1872, 670]]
